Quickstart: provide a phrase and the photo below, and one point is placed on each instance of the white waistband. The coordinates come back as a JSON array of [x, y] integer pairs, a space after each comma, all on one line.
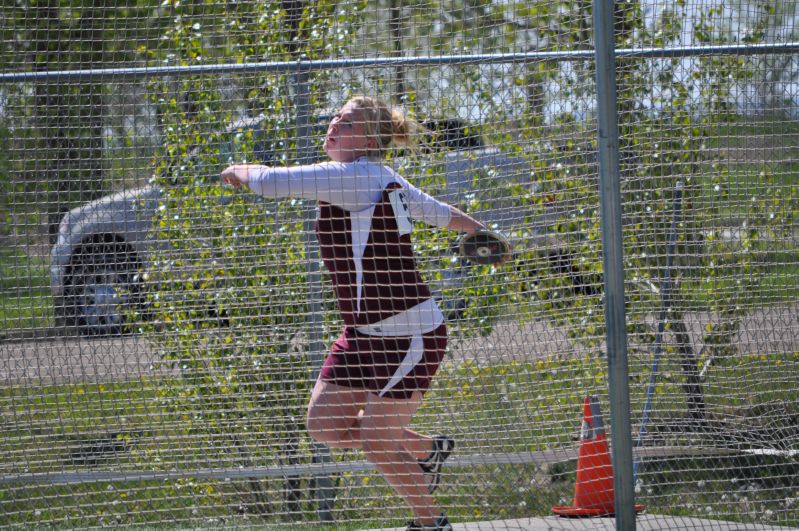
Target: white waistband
[[422, 318]]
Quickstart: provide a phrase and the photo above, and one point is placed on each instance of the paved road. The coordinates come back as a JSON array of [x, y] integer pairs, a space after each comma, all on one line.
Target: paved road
[[58, 360], [71, 360], [74, 360], [643, 523]]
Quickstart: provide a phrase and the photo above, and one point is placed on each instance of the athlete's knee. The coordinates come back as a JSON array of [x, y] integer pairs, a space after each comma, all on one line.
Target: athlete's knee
[[319, 427], [327, 429]]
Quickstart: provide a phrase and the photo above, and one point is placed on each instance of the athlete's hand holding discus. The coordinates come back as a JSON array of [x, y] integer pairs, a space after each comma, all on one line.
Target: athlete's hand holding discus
[[485, 247]]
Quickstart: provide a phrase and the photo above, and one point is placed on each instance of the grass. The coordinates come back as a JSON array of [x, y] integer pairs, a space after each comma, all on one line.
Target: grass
[[489, 408], [766, 278], [747, 189], [26, 301], [47, 428]]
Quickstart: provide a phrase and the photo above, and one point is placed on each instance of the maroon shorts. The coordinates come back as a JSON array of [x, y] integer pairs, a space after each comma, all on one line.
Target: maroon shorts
[[392, 367]]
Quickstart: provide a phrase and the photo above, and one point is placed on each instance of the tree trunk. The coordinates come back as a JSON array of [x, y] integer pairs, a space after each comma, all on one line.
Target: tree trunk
[[69, 117], [535, 93], [689, 365], [395, 28]]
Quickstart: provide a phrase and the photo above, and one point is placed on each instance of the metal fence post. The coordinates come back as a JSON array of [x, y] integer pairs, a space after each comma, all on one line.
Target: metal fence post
[[323, 490], [613, 266]]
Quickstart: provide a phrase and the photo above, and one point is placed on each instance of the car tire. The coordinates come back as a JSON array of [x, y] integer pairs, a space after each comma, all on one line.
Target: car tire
[[103, 288]]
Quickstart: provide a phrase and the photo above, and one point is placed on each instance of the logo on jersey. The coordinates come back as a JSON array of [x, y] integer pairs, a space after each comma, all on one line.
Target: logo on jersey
[[402, 213]]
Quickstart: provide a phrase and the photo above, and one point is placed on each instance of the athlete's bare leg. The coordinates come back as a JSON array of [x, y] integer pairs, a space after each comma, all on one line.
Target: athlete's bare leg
[[334, 418], [382, 425], [343, 417]]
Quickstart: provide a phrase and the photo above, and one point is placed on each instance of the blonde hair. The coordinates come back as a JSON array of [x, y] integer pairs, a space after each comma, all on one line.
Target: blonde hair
[[388, 126]]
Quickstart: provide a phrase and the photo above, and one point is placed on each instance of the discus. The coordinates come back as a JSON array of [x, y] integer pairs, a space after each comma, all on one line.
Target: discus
[[485, 247]]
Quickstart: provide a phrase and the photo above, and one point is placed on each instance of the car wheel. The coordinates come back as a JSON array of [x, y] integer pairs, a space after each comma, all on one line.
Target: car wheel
[[103, 289]]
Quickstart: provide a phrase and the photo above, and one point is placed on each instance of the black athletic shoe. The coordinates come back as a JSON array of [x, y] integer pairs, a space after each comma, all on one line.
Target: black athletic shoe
[[442, 447], [442, 524]]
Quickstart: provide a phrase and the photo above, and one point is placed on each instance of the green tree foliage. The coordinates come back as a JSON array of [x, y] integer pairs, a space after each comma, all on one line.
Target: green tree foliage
[[63, 122], [669, 110]]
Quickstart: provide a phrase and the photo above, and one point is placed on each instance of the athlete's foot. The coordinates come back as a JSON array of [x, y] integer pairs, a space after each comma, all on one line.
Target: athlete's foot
[[441, 524], [432, 464]]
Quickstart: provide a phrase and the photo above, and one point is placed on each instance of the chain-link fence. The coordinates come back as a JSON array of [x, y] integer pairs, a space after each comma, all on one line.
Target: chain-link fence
[[160, 332]]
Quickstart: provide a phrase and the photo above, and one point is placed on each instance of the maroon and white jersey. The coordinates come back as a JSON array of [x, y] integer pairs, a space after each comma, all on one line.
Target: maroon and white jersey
[[364, 224]]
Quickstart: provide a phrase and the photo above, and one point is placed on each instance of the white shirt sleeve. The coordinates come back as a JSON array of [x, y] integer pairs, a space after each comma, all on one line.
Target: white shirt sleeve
[[331, 182], [352, 186], [426, 208]]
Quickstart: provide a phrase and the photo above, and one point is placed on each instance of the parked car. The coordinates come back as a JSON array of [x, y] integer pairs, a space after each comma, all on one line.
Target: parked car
[[104, 247], [97, 260]]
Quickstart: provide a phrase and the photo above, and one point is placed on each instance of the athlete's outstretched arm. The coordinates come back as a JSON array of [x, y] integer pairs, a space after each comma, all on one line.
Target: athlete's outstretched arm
[[463, 222], [352, 187], [335, 184]]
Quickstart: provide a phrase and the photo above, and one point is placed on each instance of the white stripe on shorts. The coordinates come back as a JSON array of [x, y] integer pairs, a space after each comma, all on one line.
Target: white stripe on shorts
[[412, 358]]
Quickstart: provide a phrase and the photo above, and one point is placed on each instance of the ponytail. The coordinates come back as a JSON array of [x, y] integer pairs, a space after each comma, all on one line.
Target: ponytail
[[389, 127]]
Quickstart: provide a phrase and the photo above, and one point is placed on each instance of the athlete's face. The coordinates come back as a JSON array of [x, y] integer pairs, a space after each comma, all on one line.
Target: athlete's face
[[346, 138]]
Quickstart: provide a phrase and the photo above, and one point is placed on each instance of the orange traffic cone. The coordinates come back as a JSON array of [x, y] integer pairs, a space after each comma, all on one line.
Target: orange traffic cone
[[593, 491]]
